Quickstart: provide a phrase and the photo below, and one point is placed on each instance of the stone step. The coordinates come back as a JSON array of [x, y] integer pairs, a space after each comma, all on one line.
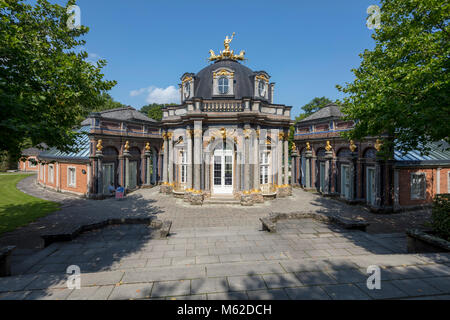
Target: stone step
[[222, 200]]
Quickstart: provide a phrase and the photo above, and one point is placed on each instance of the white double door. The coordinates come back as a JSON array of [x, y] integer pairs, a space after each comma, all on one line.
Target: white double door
[[223, 171]]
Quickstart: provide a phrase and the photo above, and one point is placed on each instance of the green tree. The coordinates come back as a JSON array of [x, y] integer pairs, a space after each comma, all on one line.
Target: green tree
[[313, 106], [402, 85], [46, 82], [106, 103], [154, 110]]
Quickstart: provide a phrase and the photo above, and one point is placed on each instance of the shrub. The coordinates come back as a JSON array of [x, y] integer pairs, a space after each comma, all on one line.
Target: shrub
[[440, 217]]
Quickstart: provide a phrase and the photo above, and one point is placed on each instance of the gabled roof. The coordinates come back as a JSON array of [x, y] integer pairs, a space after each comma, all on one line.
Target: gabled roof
[[82, 143], [127, 113], [122, 114], [330, 111], [35, 151], [440, 153]]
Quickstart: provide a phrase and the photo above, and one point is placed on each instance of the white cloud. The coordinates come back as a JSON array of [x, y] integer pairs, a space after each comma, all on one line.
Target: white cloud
[[158, 95]]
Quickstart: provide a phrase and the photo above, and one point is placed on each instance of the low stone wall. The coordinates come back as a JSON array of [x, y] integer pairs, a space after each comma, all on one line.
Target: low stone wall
[[71, 232], [284, 191], [420, 241], [270, 223]]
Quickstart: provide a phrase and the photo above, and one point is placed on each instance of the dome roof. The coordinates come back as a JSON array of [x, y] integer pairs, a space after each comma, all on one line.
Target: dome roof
[[243, 78]]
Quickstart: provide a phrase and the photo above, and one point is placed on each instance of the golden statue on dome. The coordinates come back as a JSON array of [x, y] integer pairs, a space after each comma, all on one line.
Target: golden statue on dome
[[227, 53]]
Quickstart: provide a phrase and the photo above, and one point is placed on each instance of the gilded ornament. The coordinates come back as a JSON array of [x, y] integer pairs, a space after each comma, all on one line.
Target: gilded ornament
[[352, 146], [328, 146], [99, 145]]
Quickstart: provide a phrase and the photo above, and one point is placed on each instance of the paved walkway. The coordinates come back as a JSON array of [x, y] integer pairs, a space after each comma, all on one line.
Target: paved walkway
[[304, 260], [218, 252]]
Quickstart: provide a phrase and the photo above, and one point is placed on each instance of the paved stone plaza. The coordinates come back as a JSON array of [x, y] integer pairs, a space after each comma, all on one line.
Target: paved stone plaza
[[219, 253]]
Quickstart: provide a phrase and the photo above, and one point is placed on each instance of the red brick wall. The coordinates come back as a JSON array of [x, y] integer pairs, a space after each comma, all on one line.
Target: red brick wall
[[81, 179], [404, 180], [60, 181], [444, 180], [25, 165]]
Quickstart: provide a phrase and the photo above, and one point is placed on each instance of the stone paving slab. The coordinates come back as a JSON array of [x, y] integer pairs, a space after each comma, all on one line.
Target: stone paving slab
[[227, 262]]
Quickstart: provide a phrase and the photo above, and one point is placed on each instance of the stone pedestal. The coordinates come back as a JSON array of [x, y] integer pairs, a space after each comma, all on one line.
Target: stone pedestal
[[196, 198], [187, 196], [257, 197], [284, 191], [247, 200], [166, 188]]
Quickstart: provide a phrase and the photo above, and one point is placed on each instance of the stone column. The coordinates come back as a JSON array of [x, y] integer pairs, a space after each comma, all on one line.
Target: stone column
[[170, 151], [154, 166], [147, 155], [378, 183], [198, 137], [295, 169], [99, 156], [308, 171], [164, 166], [189, 133], [256, 167], [328, 158], [247, 158], [286, 160], [207, 171], [280, 158], [127, 156]]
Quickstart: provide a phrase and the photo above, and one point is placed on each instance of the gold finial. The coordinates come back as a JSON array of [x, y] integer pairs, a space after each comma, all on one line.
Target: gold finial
[[169, 135], [99, 145], [378, 145], [147, 146], [227, 53], [127, 146], [308, 146], [352, 146], [223, 133], [294, 147], [328, 146]]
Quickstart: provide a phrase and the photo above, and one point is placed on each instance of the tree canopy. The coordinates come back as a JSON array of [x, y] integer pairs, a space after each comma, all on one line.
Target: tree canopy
[[154, 110], [402, 85], [46, 82], [314, 105]]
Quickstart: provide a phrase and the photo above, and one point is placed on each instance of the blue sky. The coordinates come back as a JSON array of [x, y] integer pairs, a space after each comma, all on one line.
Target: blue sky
[[306, 46]]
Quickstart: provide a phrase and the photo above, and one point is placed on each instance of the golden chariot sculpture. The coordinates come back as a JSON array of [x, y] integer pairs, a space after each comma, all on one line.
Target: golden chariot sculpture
[[227, 53]]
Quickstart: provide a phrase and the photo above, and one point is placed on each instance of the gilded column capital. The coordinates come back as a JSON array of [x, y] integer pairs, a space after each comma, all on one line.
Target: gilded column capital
[[189, 133]]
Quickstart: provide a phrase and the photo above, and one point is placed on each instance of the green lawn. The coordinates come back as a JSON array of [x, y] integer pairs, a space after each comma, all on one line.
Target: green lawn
[[17, 208]]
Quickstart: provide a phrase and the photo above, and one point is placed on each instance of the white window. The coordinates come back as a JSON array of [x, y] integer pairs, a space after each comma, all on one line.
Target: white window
[[223, 85], [71, 177], [418, 185], [264, 167], [50, 173], [262, 88], [183, 166], [31, 163]]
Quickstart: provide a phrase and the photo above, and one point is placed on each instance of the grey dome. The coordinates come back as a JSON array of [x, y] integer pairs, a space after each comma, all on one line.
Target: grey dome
[[243, 79]]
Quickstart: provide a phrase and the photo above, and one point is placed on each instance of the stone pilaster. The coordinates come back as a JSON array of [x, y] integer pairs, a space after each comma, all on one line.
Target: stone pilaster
[[247, 158], [308, 169], [127, 156], [189, 133], [147, 156], [198, 141], [170, 165], [256, 167], [286, 160], [99, 156], [165, 163]]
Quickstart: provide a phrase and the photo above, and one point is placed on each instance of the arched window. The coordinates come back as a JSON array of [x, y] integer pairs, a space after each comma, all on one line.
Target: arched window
[[223, 85]]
